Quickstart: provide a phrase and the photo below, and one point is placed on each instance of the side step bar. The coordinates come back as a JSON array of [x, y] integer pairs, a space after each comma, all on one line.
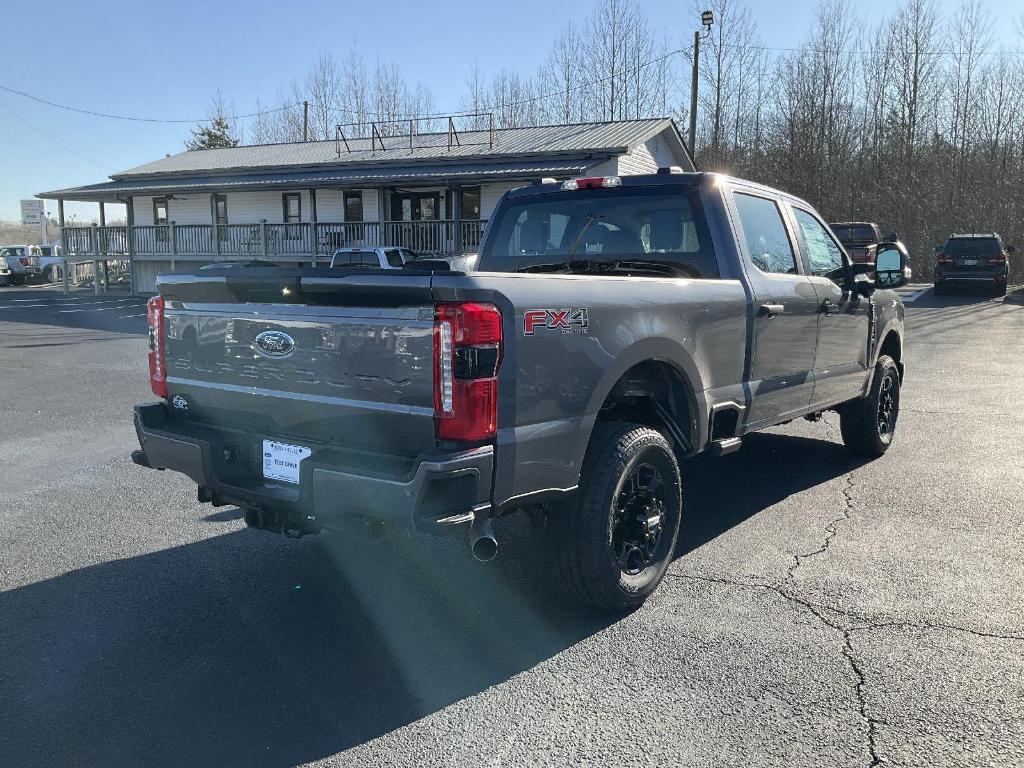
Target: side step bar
[[724, 445]]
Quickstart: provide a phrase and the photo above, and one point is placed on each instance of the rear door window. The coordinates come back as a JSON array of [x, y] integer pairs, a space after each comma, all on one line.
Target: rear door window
[[768, 245]]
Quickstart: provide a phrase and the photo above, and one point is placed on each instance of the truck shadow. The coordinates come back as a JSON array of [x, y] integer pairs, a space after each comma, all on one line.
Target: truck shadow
[[772, 467], [248, 649]]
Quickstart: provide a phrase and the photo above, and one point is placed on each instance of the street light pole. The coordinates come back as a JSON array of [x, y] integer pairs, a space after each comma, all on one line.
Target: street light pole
[[707, 18]]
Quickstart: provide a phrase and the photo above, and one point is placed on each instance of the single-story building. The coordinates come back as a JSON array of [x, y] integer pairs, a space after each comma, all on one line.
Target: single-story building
[[298, 202]]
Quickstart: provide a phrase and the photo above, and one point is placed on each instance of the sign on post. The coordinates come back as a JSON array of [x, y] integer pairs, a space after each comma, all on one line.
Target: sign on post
[[32, 213]]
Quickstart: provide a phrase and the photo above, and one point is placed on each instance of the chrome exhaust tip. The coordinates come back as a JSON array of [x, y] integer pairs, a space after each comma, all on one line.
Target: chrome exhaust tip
[[481, 540]]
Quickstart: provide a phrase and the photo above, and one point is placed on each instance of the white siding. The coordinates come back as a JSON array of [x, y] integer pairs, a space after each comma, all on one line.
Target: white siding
[[250, 207], [489, 194], [661, 154], [637, 160]]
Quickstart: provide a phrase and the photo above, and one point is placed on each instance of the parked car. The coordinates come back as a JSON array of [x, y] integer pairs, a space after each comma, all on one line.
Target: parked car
[[50, 261], [615, 327], [384, 257], [19, 264], [975, 259]]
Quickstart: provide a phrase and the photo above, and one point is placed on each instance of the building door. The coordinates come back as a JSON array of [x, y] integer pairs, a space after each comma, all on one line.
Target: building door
[[417, 212]]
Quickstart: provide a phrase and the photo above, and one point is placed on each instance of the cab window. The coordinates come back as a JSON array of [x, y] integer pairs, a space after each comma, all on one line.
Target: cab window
[[823, 255], [765, 234]]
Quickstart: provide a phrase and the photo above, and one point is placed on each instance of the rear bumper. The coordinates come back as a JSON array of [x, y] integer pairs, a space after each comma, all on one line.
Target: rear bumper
[[970, 276], [430, 493]]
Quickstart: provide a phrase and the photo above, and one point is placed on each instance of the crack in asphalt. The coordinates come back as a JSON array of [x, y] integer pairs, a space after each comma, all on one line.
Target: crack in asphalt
[[831, 531], [839, 619]]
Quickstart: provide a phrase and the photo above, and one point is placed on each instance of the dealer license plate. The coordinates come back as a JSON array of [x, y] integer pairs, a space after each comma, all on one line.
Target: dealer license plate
[[281, 461]]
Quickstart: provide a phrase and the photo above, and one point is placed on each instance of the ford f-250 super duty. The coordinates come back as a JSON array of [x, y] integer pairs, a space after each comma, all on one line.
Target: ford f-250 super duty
[[614, 327]]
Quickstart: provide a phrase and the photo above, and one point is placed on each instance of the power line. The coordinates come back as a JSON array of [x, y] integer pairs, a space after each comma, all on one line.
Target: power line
[[137, 119], [50, 138]]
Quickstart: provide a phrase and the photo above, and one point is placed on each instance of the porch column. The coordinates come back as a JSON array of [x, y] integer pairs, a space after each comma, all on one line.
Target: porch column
[[129, 208], [314, 240], [383, 215], [456, 218], [103, 214], [63, 245], [214, 227]]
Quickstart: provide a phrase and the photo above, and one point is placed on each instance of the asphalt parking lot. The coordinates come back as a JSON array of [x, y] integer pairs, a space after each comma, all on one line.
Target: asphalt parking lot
[[821, 611]]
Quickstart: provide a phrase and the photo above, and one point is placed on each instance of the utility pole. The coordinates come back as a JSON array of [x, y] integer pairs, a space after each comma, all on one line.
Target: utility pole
[[693, 94], [707, 18], [305, 121]]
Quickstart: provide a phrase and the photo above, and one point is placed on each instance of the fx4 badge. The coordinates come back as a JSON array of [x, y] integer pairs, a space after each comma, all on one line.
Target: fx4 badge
[[562, 320]]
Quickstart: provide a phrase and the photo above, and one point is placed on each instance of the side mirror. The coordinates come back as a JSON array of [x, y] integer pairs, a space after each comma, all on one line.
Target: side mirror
[[1010, 249], [938, 249], [890, 264]]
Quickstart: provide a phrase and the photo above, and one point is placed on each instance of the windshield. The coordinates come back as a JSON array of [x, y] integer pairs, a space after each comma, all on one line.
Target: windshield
[[971, 246], [649, 230], [858, 233]]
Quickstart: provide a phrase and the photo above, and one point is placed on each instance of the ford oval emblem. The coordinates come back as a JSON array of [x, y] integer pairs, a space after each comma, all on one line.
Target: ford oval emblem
[[276, 344]]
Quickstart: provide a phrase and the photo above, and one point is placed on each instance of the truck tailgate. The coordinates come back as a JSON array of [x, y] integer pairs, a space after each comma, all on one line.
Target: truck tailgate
[[298, 356]]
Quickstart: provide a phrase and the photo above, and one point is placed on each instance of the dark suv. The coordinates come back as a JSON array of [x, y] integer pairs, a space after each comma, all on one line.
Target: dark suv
[[977, 258]]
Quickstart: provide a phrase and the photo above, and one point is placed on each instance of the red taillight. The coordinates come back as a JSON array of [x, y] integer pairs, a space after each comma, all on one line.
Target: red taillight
[[945, 259], [157, 361], [467, 354], [999, 258]]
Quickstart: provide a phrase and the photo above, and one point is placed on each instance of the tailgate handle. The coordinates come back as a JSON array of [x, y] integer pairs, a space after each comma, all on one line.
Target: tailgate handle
[[771, 310]]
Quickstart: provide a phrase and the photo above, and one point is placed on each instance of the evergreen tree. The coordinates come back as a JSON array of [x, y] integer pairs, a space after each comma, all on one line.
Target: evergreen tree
[[214, 135]]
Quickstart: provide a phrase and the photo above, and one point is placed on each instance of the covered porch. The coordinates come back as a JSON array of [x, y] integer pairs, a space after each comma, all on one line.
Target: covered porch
[[291, 217]]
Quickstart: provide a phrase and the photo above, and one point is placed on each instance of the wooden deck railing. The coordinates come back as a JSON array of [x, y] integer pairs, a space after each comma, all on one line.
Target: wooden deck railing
[[295, 242]]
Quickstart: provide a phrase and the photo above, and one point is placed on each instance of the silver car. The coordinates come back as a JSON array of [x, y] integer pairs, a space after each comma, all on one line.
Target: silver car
[[17, 264], [384, 257]]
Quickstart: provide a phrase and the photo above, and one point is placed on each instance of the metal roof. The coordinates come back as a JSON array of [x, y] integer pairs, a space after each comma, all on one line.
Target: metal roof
[[617, 136], [394, 174]]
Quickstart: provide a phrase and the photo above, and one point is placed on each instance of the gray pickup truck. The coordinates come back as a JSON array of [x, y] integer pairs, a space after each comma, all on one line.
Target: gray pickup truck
[[614, 327]]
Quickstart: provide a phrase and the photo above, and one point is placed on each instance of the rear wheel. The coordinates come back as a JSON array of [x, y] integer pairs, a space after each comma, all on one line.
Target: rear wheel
[[869, 424], [1000, 289], [616, 536], [939, 289]]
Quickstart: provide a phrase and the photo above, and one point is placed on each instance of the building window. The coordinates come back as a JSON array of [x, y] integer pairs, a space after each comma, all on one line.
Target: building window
[[292, 202], [220, 209], [159, 210], [220, 215], [471, 202], [354, 206], [160, 219], [292, 214]]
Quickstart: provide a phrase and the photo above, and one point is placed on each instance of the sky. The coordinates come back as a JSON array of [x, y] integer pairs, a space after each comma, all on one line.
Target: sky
[[167, 60]]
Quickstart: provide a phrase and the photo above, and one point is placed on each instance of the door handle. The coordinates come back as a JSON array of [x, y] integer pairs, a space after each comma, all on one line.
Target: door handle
[[771, 310]]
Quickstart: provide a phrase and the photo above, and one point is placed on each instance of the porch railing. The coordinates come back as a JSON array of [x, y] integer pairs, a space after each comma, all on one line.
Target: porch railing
[[294, 242]]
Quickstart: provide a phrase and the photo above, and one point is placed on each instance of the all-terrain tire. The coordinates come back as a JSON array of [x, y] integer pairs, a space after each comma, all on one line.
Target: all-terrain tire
[[939, 289], [1000, 289], [595, 532], [868, 424]]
